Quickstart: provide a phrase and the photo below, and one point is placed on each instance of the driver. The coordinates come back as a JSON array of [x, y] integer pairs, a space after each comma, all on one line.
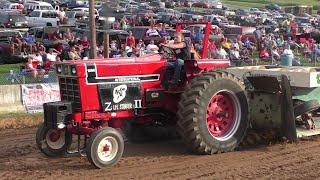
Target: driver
[[181, 50]]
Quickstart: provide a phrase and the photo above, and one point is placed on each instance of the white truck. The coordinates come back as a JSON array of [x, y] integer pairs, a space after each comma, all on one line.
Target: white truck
[[41, 18]]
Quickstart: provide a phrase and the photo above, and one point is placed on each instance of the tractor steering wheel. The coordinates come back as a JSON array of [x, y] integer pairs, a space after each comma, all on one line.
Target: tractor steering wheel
[[168, 53]]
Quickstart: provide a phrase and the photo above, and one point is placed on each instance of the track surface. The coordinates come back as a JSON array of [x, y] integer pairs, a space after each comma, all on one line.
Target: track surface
[[20, 159]]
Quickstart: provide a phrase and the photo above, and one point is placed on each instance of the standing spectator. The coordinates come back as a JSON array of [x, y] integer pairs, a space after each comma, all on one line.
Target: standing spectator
[[287, 25], [199, 35], [130, 40], [123, 23], [152, 48], [257, 37]]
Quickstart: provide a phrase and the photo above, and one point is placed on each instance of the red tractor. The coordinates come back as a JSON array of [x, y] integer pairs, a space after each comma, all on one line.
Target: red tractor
[[98, 96]]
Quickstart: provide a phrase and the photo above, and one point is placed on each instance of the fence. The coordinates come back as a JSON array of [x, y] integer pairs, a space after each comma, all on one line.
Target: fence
[[22, 77]]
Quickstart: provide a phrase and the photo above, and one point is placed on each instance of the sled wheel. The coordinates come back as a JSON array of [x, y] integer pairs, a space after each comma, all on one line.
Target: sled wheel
[[105, 147], [213, 113], [53, 142], [306, 107]]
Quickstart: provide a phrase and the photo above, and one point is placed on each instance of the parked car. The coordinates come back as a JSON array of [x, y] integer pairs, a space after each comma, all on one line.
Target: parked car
[[273, 7], [201, 5], [233, 31], [13, 21], [43, 18]]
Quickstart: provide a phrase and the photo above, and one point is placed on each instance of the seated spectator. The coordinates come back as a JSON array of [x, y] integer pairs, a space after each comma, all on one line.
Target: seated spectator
[[199, 36], [38, 59], [234, 54], [295, 60], [244, 56], [73, 54], [85, 44], [68, 34], [152, 48], [264, 55], [221, 53], [57, 34], [123, 54], [275, 54], [293, 44], [113, 48], [140, 48], [152, 32], [51, 56], [163, 32], [26, 48], [39, 47], [16, 44], [225, 44], [249, 45], [199, 47], [212, 49], [29, 67]]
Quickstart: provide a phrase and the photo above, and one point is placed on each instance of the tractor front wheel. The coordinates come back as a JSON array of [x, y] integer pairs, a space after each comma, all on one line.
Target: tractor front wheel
[[53, 142], [213, 113], [105, 147]]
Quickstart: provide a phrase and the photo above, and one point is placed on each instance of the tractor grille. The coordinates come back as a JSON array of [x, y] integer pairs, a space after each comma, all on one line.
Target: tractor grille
[[69, 89]]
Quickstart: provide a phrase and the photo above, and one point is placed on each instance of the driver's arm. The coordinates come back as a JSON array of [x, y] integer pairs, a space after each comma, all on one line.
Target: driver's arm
[[176, 46]]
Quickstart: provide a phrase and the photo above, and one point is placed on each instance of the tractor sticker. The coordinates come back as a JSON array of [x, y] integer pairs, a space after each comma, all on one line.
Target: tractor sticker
[[119, 93], [115, 97]]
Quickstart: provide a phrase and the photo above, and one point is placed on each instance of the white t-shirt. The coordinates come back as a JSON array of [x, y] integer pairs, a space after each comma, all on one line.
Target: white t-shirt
[[51, 57], [38, 59], [288, 51], [151, 46], [152, 32], [221, 53]]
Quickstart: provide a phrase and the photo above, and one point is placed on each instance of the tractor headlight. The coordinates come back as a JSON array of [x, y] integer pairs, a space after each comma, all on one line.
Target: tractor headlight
[[73, 70], [59, 69], [195, 64]]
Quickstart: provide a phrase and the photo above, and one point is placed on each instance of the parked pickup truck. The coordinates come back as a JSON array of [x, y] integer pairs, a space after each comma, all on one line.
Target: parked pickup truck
[[38, 18]]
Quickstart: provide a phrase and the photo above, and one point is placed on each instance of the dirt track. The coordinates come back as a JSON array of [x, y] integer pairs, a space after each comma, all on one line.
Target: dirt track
[[20, 159]]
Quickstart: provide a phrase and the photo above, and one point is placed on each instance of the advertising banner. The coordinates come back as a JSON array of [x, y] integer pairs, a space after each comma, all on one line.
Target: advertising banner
[[34, 95]]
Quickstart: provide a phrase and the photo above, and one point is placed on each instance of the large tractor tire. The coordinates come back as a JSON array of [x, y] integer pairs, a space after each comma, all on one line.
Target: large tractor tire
[[105, 147], [53, 142], [213, 113]]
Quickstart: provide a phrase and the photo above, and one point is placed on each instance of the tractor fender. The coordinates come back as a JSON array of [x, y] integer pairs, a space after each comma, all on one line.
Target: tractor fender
[[207, 64]]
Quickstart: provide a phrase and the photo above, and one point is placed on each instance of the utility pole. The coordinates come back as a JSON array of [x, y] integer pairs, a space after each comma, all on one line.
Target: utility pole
[[93, 38]]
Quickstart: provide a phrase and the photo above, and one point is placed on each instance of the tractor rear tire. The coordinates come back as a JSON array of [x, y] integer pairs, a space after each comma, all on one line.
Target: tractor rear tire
[[213, 113], [306, 107], [53, 142], [105, 147]]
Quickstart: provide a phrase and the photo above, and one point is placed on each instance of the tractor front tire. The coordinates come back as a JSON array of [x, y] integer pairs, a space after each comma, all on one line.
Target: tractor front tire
[[53, 142], [213, 113], [105, 147]]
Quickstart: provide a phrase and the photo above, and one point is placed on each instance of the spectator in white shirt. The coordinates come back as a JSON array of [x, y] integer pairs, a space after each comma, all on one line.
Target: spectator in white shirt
[[221, 53], [152, 32], [152, 48], [288, 51]]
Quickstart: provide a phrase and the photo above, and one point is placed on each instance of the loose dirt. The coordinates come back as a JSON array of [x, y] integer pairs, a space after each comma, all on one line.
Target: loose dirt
[[20, 159]]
